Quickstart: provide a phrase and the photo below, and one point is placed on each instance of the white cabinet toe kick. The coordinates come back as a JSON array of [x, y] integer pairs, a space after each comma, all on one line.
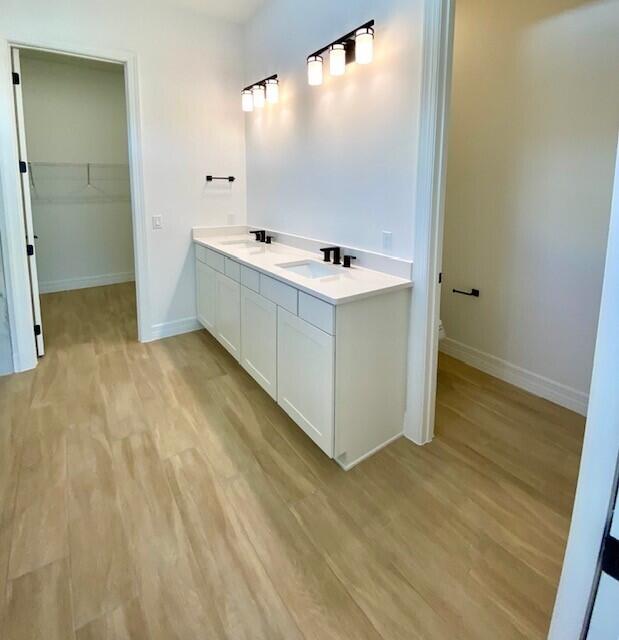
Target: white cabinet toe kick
[[338, 371]]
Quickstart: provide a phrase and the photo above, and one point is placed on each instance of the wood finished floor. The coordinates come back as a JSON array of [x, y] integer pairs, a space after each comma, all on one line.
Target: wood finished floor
[[154, 491]]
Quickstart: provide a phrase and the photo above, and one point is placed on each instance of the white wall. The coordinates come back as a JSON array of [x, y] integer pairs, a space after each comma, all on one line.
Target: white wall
[[189, 74], [75, 113], [535, 113], [336, 162]]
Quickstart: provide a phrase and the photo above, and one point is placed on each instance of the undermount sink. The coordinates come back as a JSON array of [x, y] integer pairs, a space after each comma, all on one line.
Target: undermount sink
[[239, 244], [310, 269]]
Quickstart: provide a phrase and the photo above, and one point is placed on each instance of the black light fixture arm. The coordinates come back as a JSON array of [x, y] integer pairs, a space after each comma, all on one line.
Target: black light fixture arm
[[262, 82], [350, 36]]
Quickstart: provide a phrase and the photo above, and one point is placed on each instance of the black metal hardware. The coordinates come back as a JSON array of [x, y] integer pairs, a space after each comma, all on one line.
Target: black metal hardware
[[30, 249], [37, 329], [226, 178], [15, 77], [332, 250], [347, 260], [472, 292], [262, 82], [260, 235], [23, 167], [348, 40], [610, 557], [440, 278], [268, 239]]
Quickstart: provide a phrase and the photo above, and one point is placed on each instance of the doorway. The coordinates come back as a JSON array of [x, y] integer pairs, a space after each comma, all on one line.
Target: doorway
[[71, 117]]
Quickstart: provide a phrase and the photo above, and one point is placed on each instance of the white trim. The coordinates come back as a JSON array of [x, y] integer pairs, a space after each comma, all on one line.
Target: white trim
[[533, 382], [350, 465], [174, 328], [86, 282], [428, 220], [11, 224]]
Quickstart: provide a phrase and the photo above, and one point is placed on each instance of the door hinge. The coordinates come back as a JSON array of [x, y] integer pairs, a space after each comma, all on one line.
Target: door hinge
[[37, 329], [610, 557], [23, 167], [15, 77], [440, 278], [30, 249]]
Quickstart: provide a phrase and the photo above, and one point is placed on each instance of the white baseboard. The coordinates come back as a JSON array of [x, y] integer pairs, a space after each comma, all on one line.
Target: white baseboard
[[86, 282], [174, 328], [532, 382], [348, 466]]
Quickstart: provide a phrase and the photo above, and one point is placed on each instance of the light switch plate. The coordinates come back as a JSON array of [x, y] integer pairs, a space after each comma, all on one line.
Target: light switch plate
[[157, 222]]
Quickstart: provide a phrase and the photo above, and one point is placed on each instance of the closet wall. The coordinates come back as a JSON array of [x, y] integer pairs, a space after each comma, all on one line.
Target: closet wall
[[77, 145]]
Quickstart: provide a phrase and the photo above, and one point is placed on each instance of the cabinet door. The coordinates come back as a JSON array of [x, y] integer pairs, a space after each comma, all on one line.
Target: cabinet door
[[259, 339], [228, 313], [305, 377], [205, 285]]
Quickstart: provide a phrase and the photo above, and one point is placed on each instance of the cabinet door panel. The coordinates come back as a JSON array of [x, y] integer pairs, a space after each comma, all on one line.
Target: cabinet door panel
[[228, 314], [259, 339], [305, 368], [205, 285]]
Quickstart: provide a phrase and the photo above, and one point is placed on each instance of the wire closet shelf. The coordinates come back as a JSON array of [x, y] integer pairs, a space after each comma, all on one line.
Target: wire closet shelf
[[78, 183]]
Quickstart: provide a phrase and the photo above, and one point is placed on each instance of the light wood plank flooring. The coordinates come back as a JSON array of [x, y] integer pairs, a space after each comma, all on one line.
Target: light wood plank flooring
[[154, 491]]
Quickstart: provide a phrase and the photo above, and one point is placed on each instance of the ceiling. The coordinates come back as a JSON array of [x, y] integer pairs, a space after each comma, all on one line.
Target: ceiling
[[233, 10]]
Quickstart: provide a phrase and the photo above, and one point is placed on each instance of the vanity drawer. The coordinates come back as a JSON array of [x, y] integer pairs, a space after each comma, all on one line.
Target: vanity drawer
[[215, 260], [200, 253], [232, 269], [250, 279], [317, 312], [281, 294]]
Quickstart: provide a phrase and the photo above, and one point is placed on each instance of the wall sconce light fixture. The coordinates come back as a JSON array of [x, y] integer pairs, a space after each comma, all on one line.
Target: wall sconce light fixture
[[355, 46], [314, 70], [254, 96]]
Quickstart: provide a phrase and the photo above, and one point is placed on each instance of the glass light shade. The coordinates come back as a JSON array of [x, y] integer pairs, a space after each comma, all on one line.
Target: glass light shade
[[364, 45], [247, 100], [337, 60], [314, 70], [272, 91], [258, 94]]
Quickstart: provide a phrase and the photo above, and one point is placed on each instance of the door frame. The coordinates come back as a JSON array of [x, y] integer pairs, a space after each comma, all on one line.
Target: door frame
[[11, 216], [438, 34]]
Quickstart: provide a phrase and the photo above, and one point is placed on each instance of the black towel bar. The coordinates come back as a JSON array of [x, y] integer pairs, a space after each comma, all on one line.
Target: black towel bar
[[472, 292], [227, 178]]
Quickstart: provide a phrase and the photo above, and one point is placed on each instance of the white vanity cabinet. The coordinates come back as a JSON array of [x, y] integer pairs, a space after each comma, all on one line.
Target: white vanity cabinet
[[305, 365], [228, 313], [339, 371], [205, 285], [259, 339]]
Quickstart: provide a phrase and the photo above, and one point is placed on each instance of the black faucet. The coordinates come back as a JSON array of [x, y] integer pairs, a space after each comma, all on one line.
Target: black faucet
[[260, 235], [336, 251], [347, 260]]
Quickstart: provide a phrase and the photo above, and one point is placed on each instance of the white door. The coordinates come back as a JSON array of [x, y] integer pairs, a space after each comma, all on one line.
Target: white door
[[228, 313], [205, 294], [604, 624], [305, 377], [588, 595], [259, 339], [24, 168]]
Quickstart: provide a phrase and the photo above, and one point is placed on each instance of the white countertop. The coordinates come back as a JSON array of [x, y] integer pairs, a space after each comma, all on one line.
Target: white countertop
[[344, 285]]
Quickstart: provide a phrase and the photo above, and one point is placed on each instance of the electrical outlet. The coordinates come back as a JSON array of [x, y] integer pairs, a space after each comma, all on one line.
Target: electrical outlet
[[387, 241], [157, 222]]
